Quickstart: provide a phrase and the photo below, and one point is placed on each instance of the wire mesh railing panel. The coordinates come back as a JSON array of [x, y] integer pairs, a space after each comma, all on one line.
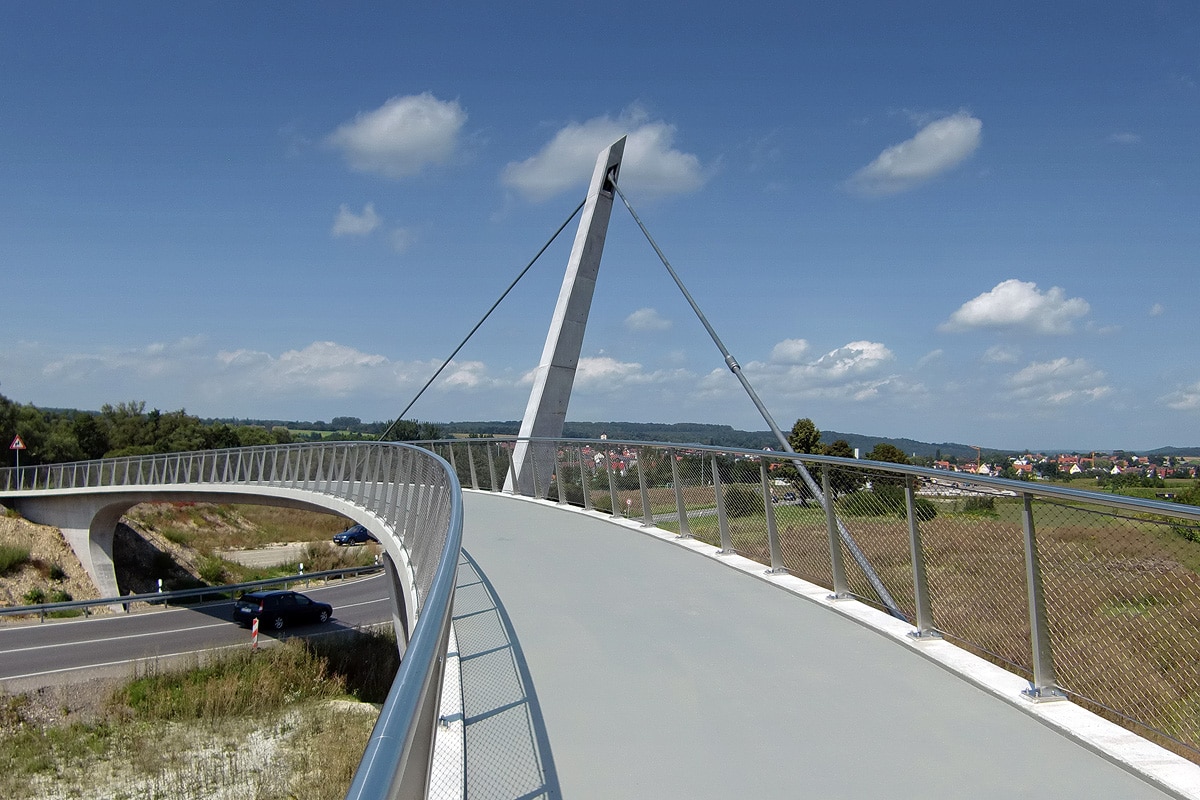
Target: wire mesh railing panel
[[874, 536], [974, 559], [699, 500], [1123, 604]]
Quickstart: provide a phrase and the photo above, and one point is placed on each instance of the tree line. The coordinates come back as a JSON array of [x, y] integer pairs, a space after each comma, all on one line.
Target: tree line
[[54, 436]]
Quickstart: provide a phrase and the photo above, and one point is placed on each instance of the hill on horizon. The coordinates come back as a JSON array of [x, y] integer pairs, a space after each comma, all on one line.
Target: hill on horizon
[[728, 436], [714, 435]]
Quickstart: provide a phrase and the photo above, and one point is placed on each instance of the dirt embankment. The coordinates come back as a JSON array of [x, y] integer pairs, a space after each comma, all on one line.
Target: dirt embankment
[[51, 567], [141, 557]]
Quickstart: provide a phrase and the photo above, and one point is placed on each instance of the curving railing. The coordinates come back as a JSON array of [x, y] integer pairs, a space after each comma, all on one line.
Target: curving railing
[[1090, 596], [412, 492]]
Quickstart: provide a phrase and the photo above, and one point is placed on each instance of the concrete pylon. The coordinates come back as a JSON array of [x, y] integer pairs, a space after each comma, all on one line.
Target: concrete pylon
[[547, 408]]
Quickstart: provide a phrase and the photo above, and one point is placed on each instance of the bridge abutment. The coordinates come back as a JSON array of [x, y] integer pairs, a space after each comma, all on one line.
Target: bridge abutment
[[89, 525]]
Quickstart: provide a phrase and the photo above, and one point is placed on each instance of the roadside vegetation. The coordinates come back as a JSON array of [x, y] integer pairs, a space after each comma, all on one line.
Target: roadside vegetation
[[189, 545], [288, 721]]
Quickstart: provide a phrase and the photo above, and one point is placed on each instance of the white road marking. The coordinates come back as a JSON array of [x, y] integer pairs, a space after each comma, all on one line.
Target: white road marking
[[220, 624]]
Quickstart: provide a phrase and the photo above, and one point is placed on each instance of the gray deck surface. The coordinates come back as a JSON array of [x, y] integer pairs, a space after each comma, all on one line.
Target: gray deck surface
[[601, 663]]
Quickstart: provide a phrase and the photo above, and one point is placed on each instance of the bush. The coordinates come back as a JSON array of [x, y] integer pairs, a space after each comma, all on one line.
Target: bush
[[980, 506], [883, 501], [34, 597], [59, 596], [866, 504], [57, 573], [742, 501], [12, 557], [212, 571], [924, 509]]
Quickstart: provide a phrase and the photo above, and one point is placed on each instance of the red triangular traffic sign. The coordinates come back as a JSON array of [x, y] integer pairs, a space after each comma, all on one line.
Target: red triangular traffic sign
[[17, 444]]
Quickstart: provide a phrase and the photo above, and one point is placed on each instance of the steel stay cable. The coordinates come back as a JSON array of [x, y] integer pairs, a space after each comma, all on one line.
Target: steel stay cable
[[860, 558], [482, 320]]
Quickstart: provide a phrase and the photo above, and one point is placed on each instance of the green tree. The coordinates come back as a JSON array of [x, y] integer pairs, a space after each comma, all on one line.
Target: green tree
[[93, 442], [841, 480], [805, 438], [888, 453]]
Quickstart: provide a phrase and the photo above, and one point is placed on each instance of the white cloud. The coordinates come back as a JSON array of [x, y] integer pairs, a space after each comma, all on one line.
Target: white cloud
[[1058, 382], [1019, 305], [650, 164], [468, 375], [1157, 310], [931, 357], [853, 372], [647, 319], [789, 351], [402, 239], [1124, 138], [347, 223], [325, 367], [936, 148], [1185, 398], [1000, 354], [402, 136], [854, 358], [604, 374]]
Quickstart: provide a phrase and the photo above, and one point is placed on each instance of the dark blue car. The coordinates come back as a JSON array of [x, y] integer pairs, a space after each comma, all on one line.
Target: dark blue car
[[274, 609], [356, 535]]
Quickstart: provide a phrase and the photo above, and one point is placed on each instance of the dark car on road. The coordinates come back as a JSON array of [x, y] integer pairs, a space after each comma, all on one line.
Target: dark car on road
[[278, 608], [356, 535]]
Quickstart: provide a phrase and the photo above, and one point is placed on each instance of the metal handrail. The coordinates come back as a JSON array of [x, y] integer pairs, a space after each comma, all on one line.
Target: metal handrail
[[43, 609], [1135, 504], [406, 719]]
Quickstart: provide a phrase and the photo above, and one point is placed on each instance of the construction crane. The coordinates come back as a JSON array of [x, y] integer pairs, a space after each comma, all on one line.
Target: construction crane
[[978, 457]]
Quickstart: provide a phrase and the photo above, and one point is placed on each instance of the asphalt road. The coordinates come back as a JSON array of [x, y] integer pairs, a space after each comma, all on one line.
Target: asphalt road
[[39, 654]]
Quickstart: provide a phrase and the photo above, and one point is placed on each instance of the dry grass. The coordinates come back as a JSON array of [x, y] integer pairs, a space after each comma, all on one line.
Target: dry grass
[[285, 722], [208, 527]]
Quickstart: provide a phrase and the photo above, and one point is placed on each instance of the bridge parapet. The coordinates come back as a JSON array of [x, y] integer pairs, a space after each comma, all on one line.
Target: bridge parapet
[[1091, 597], [409, 498]]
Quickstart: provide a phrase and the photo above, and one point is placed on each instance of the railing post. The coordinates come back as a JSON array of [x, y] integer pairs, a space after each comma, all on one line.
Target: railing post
[[722, 517], [558, 475], [841, 587], [585, 482], [1045, 684], [685, 532], [777, 566], [537, 492], [471, 464], [925, 629], [491, 466], [647, 516], [612, 483], [512, 471]]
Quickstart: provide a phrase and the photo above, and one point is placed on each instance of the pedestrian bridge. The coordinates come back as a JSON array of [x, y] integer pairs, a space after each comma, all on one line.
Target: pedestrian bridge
[[601, 659], [682, 628]]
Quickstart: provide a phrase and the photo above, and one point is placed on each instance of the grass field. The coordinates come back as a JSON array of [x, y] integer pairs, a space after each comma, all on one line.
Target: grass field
[[290, 721]]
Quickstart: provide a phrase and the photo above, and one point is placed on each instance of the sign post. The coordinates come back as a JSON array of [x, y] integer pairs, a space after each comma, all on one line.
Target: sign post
[[17, 446], [254, 634]]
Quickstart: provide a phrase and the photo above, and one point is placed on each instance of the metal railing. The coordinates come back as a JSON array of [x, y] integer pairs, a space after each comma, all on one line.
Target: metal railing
[[1091, 596], [223, 592], [414, 493]]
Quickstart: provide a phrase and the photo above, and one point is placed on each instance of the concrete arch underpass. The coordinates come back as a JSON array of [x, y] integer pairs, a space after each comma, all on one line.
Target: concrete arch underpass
[[88, 519]]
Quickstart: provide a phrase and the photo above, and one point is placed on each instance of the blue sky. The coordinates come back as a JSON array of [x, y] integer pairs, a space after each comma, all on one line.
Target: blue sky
[[964, 221]]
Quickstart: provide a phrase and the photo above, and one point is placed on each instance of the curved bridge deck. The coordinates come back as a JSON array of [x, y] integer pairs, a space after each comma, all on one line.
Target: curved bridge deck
[[599, 662]]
